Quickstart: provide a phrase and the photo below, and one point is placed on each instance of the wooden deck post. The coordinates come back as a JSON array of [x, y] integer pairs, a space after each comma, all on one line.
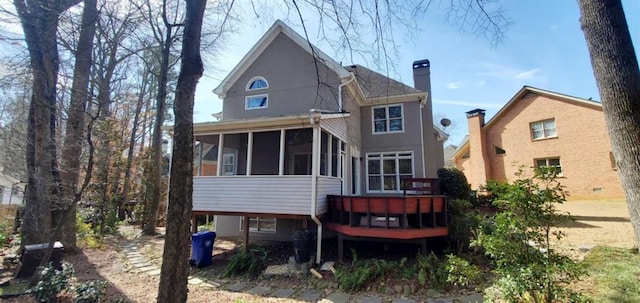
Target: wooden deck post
[[194, 223], [245, 228]]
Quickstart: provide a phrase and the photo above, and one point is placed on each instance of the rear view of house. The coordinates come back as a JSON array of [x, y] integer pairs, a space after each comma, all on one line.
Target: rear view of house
[[297, 127], [542, 128]]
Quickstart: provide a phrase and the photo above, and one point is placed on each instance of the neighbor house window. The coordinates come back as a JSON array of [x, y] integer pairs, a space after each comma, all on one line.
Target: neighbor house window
[[543, 129], [385, 171], [254, 102], [258, 224], [387, 119], [551, 163]]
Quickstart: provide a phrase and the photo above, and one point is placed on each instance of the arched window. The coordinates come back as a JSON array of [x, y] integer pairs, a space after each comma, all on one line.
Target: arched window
[[257, 83]]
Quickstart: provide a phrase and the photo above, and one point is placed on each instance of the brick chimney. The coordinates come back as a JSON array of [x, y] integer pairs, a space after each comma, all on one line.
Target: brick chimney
[[478, 160]]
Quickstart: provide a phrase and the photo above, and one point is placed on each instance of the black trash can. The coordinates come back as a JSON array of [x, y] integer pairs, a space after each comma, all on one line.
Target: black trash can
[[202, 248], [32, 256], [302, 245]]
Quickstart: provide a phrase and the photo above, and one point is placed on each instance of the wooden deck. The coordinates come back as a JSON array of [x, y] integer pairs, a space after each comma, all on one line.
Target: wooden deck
[[414, 216]]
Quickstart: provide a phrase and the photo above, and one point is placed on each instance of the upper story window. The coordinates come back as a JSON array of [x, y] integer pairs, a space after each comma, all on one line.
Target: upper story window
[[543, 129], [257, 83], [387, 119], [257, 101], [254, 102]]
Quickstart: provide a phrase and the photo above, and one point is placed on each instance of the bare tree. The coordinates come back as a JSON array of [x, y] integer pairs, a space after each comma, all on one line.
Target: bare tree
[[75, 126], [175, 260], [615, 66], [39, 19]]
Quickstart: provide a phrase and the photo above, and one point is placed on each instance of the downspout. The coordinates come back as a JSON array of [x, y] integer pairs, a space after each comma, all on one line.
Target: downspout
[[340, 91], [314, 187], [424, 165]]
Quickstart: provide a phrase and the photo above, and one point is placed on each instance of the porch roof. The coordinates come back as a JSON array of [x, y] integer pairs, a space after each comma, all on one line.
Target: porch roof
[[299, 120]]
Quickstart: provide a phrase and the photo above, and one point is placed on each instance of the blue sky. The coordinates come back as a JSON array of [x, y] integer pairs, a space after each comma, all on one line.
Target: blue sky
[[544, 47]]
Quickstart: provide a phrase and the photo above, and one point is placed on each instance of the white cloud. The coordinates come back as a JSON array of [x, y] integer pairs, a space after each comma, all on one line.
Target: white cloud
[[527, 75], [500, 71], [466, 103], [453, 85]]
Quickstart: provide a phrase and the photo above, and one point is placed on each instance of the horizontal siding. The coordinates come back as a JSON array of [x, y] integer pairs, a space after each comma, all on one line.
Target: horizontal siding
[[254, 194], [327, 186], [336, 126]]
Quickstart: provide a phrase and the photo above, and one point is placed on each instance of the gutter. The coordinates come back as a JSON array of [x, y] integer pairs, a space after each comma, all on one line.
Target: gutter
[[314, 188], [353, 77]]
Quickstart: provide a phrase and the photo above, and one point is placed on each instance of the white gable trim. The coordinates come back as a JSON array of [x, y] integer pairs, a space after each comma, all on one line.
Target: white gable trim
[[253, 54]]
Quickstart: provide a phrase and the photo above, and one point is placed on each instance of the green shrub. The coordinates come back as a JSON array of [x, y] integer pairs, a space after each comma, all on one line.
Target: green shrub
[[6, 237], [464, 222], [90, 291], [453, 183], [52, 282], [527, 268], [250, 263], [431, 271], [462, 273], [365, 271]]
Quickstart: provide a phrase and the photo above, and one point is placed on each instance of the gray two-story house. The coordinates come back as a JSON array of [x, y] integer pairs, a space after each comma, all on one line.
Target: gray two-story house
[[297, 127]]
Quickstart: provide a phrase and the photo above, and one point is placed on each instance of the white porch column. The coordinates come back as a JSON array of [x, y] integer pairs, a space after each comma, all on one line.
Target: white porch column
[[282, 146], [329, 160], [219, 164], [249, 152], [200, 159]]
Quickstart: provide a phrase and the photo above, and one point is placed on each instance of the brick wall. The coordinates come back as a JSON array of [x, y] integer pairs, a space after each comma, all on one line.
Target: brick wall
[[582, 144]]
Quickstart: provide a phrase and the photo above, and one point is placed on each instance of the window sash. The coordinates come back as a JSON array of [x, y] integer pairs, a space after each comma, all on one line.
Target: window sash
[[387, 119], [544, 129], [257, 101], [385, 171], [259, 224]]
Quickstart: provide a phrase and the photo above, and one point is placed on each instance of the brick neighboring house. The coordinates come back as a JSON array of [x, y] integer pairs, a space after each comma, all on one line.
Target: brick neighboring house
[[539, 127]]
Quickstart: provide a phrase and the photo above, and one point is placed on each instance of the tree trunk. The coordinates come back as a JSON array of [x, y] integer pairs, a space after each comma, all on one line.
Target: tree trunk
[[39, 21], [126, 186], [151, 210], [75, 128], [615, 66], [175, 260]]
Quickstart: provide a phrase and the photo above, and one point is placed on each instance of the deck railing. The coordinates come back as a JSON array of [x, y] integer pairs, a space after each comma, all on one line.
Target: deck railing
[[389, 212]]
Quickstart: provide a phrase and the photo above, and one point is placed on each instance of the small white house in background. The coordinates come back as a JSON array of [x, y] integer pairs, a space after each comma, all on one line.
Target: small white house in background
[[11, 189]]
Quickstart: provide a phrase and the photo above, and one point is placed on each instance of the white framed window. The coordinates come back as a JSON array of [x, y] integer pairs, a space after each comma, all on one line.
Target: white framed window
[[258, 224], [543, 129], [228, 164], [385, 171], [257, 83], [387, 119], [257, 101], [550, 162]]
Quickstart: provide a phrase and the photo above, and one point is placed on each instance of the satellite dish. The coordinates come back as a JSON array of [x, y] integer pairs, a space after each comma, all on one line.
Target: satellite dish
[[445, 122]]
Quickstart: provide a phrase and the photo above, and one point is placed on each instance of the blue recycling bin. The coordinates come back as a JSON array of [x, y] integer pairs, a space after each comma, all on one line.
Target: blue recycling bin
[[202, 248]]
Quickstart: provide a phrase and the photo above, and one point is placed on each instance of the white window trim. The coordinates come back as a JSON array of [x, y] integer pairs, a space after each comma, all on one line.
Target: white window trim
[[535, 164], [382, 190], [247, 88], [246, 102], [388, 131], [544, 135], [253, 230], [235, 162]]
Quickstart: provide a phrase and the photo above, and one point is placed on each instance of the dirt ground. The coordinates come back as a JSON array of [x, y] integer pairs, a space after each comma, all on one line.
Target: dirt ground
[[597, 223]]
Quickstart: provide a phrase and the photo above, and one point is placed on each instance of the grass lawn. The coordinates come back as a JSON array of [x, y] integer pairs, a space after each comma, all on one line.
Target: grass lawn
[[613, 275]]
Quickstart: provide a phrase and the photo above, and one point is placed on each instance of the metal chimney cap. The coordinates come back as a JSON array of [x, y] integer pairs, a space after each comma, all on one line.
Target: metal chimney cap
[[421, 64]]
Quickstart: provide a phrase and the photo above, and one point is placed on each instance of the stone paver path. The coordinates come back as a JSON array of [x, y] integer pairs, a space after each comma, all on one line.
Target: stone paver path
[[140, 263]]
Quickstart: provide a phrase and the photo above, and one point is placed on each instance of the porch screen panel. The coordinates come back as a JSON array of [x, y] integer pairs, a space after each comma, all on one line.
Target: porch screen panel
[[297, 151], [234, 160], [266, 153]]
